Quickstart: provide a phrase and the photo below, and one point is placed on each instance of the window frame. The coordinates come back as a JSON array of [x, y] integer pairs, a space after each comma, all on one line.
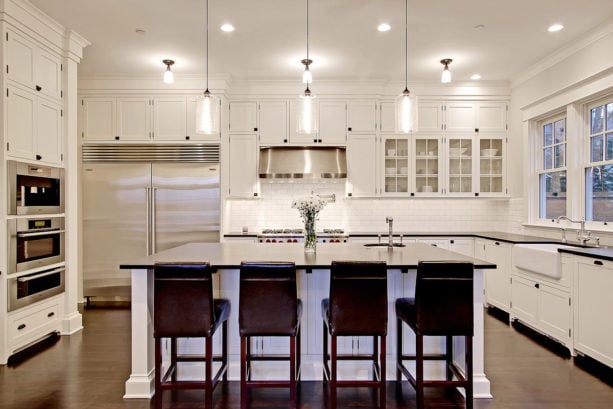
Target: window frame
[[539, 159]]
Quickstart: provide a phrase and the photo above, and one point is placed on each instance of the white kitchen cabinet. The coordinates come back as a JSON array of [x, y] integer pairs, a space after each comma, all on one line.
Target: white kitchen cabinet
[[243, 117], [134, 119], [273, 123], [429, 114], [32, 66], [99, 117], [243, 155], [480, 116], [427, 164], [170, 118], [361, 173], [395, 166], [332, 123], [593, 304], [116, 119], [362, 116], [192, 135], [544, 303], [34, 126], [29, 324], [463, 246], [497, 281], [460, 165]]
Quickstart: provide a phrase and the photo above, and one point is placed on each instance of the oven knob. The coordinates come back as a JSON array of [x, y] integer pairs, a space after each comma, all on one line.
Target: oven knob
[[274, 240], [267, 240]]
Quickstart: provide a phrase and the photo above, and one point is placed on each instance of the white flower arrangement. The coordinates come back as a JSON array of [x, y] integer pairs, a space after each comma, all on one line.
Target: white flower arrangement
[[309, 207]]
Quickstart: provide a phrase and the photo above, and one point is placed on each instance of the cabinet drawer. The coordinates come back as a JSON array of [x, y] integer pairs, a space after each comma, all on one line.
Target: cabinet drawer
[[26, 326]]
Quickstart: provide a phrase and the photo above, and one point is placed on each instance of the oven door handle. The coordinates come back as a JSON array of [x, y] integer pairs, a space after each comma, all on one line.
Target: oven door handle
[[43, 274], [42, 233]]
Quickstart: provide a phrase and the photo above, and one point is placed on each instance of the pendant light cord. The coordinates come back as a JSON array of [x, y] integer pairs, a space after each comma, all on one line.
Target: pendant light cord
[[406, 44], [307, 29], [207, 45]]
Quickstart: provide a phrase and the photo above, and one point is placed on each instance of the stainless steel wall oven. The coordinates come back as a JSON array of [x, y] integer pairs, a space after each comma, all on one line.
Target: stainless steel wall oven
[[35, 242], [34, 189], [30, 288]]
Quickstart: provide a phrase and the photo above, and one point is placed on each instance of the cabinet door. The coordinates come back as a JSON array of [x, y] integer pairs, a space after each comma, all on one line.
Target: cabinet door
[[49, 132], [243, 166], [192, 135], [273, 121], [460, 165], [429, 117], [462, 246], [491, 116], [460, 117], [48, 74], [593, 305], [99, 119], [395, 166], [525, 300], [362, 116], [21, 123], [20, 56], [492, 164], [427, 165], [362, 167], [170, 119], [243, 117], [387, 117], [554, 312], [134, 119], [333, 122], [498, 281]]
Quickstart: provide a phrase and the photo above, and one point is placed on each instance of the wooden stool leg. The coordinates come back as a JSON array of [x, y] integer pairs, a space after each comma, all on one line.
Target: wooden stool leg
[[173, 358], [158, 373], [375, 357], [244, 342], [382, 389], [449, 356], [292, 372], [419, 369], [333, 372]]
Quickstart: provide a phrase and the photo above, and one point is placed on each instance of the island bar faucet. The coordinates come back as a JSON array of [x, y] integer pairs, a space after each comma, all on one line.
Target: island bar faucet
[[390, 221]]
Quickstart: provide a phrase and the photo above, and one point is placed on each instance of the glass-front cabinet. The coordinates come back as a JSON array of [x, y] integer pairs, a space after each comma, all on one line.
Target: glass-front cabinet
[[492, 165], [460, 170], [427, 166], [396, 165]]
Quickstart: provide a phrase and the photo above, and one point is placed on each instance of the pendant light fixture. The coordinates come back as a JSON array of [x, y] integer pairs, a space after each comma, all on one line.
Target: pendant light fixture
[[446, 75], [207, 104], [308, 114], [169, 77], [406, 104]]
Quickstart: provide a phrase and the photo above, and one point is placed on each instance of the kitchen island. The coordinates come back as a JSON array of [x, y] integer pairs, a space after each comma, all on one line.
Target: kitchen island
[[313, 283]]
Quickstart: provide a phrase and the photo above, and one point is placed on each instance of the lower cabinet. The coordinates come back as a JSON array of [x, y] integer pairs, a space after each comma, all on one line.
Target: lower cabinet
[[542, 306], [593, 306], [31, 323], [498, 281]]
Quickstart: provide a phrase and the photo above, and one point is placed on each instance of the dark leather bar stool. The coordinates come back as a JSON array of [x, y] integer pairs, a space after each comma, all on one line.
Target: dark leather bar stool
[[184, 306], [269, 307], [357, 307], [443, 305]]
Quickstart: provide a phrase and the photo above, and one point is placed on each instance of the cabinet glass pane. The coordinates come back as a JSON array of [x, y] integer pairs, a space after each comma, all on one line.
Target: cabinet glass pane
[[396, 168]]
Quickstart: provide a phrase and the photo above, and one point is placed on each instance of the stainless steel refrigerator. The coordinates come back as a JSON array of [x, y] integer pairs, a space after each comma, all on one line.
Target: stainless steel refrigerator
[[134, 209]]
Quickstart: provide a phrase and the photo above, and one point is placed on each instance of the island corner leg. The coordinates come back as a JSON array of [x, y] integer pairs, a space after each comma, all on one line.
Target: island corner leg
[[481, 384], [140, 384]]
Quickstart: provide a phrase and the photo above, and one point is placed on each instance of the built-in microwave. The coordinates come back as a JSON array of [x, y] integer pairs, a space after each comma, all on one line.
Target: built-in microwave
[[34, 189], [30, 288], [35, 242]]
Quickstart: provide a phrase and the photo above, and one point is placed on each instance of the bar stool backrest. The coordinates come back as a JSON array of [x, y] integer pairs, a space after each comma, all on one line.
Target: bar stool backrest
[[444, 298], [182, 300], [358, 298], [268, 299]]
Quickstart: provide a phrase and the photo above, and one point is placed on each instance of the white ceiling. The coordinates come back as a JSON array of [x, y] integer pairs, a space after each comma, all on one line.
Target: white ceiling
[[270, 36]]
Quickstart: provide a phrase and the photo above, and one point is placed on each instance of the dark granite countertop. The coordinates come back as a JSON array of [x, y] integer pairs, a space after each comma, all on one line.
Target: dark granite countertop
[[599, 252], [491, 235]]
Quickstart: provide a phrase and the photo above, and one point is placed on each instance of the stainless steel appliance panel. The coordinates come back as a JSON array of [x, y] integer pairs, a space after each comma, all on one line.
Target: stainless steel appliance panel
[[35, 242], [34, 189], [185, 204], [115, 219], [30, 288]]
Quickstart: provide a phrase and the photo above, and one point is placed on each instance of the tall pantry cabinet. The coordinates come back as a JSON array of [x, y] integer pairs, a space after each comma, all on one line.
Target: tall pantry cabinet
[[39, 59]]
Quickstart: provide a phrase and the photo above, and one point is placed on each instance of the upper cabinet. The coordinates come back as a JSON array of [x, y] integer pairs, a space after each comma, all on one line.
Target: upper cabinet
[[243, 117], [332, 123], [273, 122], [140, 118], [362, 116], [430, 117], [475, 117]]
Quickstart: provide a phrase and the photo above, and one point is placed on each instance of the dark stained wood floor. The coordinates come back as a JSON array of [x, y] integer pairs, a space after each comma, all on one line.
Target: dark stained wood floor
[[88, 371]]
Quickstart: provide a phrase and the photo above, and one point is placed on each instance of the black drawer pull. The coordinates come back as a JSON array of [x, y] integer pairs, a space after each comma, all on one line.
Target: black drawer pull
[[51, 314], [598, 262], [22, 326], [497, 243], [536, 285], [315, 140]]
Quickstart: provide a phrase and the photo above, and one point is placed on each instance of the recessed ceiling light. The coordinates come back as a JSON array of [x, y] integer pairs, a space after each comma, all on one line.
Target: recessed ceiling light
[[475, 77], [384, 27], [227, 28], [555, 27], [139, 31]]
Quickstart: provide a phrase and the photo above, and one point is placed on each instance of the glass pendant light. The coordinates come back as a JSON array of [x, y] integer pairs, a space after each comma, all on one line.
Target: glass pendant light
[[308, 113], [406, 104], [169, 77], [207, 105], [446, 75]]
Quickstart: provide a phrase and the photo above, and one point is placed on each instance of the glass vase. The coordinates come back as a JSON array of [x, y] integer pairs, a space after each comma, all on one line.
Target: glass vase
[[310, 239]]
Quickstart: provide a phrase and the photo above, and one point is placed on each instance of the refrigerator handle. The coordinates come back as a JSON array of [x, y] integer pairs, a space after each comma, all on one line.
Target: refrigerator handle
[[153, 219], [148, 223]]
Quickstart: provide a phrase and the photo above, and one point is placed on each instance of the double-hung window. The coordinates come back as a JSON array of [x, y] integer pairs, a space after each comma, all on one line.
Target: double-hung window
[[552, 173], [599, 168]]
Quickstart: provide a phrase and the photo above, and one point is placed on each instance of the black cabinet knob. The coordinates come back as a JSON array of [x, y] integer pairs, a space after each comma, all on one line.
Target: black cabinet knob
[[536, 285], [51, 314], [476, 129], [255, 194], [39, 88], [476, 194], [187, 138], [319, 140], [349, 194], [315, 140], [38, 157], [255, 129], [22, 326], [117, 138], [349, 129], [284, 140]]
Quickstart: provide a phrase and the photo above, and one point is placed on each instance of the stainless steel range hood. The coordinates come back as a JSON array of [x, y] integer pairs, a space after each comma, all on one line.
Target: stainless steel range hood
[[303, 163]]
